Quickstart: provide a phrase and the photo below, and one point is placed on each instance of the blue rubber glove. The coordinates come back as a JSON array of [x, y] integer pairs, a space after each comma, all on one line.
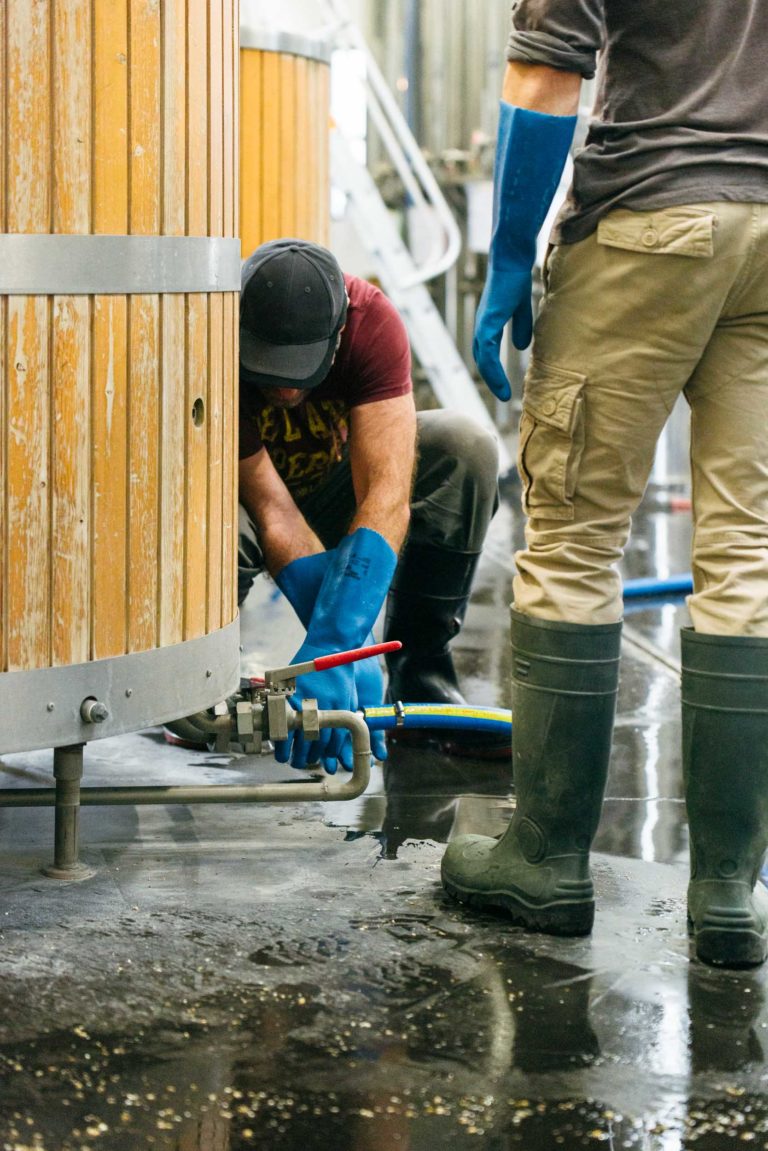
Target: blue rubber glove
[[531, 151], [334, 689], [347, 604], [300, 581]]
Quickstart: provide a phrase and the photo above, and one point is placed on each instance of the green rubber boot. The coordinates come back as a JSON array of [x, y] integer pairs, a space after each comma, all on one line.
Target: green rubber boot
[[725, 769], [564, 684]]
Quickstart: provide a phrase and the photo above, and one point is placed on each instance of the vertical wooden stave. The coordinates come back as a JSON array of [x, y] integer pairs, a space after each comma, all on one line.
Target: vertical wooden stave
[[27, 413], [173, 347], [69, 380], [28, 484], [290, 157], [311, 188], [109, 394], [250, 149], [318, 100], [230, 312], [215, 349], [145, 147], [231, 117], [271, 147], [144, 474], [323, 207], [305, 210], [232, 319], [196, 412]]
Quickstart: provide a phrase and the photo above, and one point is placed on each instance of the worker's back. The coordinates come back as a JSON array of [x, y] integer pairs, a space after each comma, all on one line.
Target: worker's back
[[680, 111]]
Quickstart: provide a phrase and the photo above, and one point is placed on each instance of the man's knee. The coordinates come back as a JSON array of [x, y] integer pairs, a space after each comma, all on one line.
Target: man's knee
[[452, 436], [458, 452], [455, 492]]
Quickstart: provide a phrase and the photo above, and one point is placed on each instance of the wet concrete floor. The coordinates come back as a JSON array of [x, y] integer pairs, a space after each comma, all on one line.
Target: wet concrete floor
[[287, 978]]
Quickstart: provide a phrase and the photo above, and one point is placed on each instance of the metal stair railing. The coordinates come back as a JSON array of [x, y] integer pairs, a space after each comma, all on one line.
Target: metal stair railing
[[401, 276]]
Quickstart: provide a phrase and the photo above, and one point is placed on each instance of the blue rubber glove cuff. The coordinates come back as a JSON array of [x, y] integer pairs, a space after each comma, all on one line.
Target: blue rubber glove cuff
[[300, 581], [352, 591], [531, 151]]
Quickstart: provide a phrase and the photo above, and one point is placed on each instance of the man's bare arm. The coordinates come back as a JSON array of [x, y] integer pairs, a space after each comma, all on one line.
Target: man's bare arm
[[382, 445], [284, 534], [541, 89]]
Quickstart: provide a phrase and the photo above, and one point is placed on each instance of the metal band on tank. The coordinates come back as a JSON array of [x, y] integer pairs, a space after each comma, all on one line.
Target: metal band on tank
[[65, 265], [56, 706], [290, 43]]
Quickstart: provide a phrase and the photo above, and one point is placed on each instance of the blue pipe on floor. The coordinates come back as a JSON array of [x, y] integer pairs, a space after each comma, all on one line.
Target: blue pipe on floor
[[648, 586]]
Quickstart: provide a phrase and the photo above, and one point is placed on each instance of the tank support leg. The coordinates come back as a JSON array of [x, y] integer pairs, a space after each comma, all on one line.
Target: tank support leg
[[67, 771]]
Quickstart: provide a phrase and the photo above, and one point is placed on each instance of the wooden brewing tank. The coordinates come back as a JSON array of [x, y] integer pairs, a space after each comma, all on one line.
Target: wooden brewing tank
[[119, 281], [284, 137]]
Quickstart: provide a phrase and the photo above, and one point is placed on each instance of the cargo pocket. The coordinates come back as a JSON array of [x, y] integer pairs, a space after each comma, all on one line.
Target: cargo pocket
[[551, 440], [680, 231]]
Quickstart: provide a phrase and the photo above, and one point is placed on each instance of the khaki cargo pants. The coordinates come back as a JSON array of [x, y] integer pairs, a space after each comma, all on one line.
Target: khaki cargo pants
[[652, 304]]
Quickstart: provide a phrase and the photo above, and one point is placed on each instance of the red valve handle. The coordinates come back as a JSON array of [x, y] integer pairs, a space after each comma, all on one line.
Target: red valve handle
[[286, 674], [324, 661]]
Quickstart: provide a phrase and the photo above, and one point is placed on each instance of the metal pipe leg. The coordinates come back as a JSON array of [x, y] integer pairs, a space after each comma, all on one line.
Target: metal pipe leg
[[67, 771]]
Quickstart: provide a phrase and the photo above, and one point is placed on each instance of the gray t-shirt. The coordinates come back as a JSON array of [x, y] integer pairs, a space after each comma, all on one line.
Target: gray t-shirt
[[681, 108]]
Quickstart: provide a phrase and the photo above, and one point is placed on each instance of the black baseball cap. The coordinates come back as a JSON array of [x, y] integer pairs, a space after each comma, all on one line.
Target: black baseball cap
[[293, 304]]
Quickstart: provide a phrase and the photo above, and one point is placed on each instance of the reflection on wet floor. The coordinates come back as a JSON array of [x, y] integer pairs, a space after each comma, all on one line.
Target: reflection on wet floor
[[289, 978], [414, 1030]]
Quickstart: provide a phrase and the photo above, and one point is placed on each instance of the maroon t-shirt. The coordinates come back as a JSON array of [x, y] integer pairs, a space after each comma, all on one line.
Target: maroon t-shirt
[[373, 363]]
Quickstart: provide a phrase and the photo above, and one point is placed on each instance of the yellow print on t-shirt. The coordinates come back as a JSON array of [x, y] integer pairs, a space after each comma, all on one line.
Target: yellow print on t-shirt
[[304, 443]]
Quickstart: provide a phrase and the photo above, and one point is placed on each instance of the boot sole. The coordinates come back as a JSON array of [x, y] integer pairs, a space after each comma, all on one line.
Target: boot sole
[[570, 919], [724, 944]]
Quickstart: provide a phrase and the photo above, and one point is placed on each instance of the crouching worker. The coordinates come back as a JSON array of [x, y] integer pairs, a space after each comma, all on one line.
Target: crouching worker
[[333, 489]]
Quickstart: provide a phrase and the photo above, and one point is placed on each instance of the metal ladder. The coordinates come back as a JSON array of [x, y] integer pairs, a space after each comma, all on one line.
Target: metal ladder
[[401, 277]]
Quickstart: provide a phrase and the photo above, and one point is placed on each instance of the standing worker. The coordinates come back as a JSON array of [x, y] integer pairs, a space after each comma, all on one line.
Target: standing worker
[[656, 284], [333, 485]]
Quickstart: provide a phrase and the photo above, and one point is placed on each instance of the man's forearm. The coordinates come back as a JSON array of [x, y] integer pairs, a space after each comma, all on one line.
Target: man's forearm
[[282, 543], [382, 450], [284, 534], [389, 519], [541, 89]]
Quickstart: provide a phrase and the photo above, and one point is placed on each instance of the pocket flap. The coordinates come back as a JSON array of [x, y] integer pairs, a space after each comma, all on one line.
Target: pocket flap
[[682, 231], [552, 395]]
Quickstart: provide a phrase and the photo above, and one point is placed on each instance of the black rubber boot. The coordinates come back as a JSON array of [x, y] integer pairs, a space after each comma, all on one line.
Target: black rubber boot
[[725, 769], [564, 683], [426, 606]]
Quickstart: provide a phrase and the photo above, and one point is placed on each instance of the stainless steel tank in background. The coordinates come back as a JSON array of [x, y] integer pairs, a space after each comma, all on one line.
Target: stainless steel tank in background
[[445, 58]]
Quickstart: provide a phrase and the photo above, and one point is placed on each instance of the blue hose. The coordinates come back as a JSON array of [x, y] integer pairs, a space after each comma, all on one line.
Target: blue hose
[[437, 715], [672, 585]]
